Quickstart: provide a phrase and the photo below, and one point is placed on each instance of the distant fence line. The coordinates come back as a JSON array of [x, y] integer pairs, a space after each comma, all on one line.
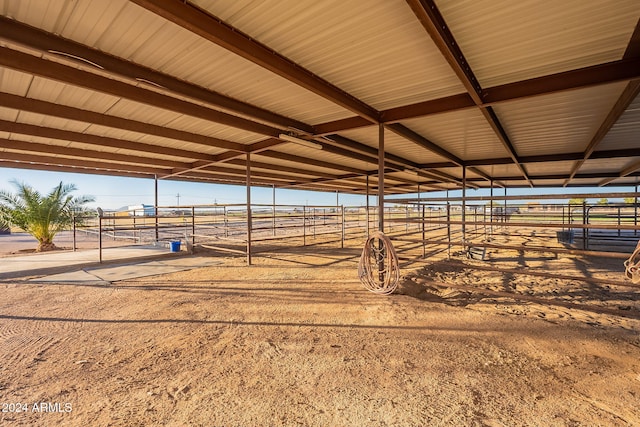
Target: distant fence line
[[584, 228]]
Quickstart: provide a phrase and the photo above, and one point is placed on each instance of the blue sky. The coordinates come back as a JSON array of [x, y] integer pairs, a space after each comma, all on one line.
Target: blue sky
[[115, 192]]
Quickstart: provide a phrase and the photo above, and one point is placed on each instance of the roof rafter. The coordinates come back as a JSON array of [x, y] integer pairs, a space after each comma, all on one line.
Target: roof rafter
[[286, 169], [626, 98], [595, 75], [33, 165], [634, 167], [175, 168], [57, 110], [605, 154], [593, 175], [435, 25], [629, 93], [41, 149], [203, 161], [313, 162], [425, 143], [370, 155], [82, 163], [215, 30], [99, 141], [70, 75], [241, 173], [256, 147], [44, 42]]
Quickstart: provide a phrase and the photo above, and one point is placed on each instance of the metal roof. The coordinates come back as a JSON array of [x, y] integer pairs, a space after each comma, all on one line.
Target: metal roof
[[529, 93]]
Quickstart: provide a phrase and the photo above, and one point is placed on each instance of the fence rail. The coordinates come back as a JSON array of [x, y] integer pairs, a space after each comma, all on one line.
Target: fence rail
[[581, 229]]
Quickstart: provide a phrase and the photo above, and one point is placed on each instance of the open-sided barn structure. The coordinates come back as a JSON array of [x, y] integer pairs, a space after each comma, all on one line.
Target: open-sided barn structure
[[457, 93], [392, 98], [365, 97]]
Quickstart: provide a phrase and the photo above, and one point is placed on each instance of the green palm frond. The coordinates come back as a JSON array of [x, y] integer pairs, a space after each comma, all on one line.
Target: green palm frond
[[42, 216]]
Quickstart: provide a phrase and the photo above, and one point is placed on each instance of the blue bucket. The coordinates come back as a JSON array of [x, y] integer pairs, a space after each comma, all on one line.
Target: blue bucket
[[565, 237], [175, 246]]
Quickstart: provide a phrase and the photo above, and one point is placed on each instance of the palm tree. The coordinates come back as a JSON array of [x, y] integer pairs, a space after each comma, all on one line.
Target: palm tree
[[42, 216], [4, 227]]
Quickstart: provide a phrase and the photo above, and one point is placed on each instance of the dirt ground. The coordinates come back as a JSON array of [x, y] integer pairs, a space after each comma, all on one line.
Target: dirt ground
[[21, 243], [295, 340]]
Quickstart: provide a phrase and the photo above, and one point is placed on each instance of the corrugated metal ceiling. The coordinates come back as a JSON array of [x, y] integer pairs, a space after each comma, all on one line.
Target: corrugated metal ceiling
[[561, 122], [343, 67], [355, 45], [506, 41]]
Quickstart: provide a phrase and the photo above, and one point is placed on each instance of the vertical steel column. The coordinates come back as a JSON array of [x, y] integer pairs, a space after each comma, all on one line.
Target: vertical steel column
[[475, 220], [273, 199], [380, 260], [367, 214], [419, 203], [226, 223], [249, 225], [464, 207], [491, 211], [448, 226], [504, 210], [337, 210], [193, 228], [337, 207], [155, 202], [585, 231], [421, 223], [100, 238], [313, 212], [619, 221], [424, 247], [635, 211], [406, 218], [381, 177], [343, 229], [74, 232]]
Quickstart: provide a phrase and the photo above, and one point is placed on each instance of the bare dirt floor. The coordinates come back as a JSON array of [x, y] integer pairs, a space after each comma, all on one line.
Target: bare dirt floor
[[295, 340]]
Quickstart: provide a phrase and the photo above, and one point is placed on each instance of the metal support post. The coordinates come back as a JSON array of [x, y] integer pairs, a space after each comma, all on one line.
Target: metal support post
[[155, 203], [424, 247], [193, 227], [74, 233], [100, 239], [584, 222], [249, 222], [381, 177], [464, 208], [343, 230], [635, 212], [448, 229], [226, 223], [491, 211], [273, 199], [367, 214]]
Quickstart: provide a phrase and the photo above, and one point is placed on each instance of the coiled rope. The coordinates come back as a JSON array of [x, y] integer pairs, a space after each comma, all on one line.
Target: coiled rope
[[378, 268], [632, 266]]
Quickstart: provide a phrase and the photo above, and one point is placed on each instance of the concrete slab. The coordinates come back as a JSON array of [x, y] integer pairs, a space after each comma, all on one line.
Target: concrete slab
[[60, 261], [81, 276], [115, 273]]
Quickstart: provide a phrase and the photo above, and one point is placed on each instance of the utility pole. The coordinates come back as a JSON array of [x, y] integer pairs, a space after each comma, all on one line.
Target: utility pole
[[178, 197]]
